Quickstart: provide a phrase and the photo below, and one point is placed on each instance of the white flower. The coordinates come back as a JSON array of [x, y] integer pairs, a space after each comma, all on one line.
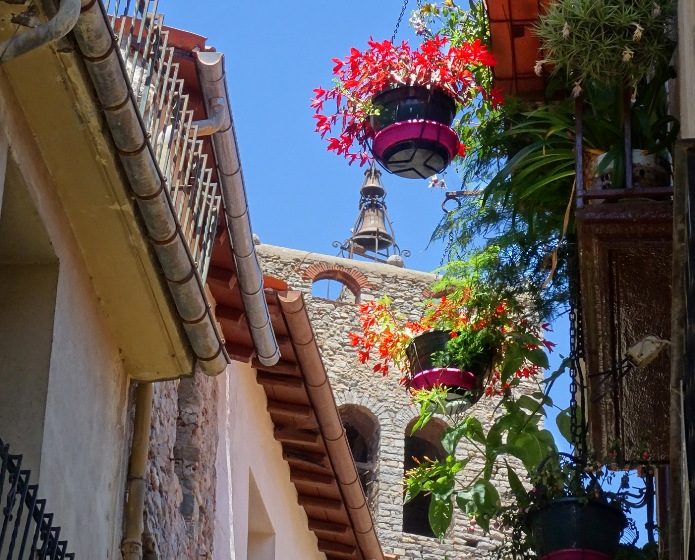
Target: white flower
[[577, 89], [628, 53], [417, 23], [637, 35], [436, 182], [566, 31], [538, 67]]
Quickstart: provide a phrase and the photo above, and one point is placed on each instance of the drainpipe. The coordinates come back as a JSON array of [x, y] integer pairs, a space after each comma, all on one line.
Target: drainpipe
[[98, 48], [214, 123], [57, 27], [214, 86], [131, 546]]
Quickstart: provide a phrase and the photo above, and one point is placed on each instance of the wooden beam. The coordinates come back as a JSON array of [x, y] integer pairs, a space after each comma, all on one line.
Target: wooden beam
[[280, 379], [336, 547], [283, 366], [291, 409], [318, 502], [300, 476], [231, 314], [322, 526], [292, 435], [304, 458]]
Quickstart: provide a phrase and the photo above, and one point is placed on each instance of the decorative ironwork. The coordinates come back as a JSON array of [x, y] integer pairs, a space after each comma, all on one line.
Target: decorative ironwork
[[167, 116], [27, 531], [373, 236]]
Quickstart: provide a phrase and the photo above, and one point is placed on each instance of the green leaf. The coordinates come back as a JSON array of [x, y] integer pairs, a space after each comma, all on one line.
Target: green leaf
[[538, 358], [439, 515], [564, 424], [525, 447], [517, 487], [481, 501], [532, 405]]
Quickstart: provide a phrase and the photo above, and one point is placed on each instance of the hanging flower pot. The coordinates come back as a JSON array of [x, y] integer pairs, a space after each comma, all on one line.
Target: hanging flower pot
[[396, 104], [576, 529], [464, 381], [413, 135]]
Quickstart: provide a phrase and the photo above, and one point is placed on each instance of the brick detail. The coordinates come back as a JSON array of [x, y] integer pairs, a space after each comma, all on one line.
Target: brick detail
[[355, 280]]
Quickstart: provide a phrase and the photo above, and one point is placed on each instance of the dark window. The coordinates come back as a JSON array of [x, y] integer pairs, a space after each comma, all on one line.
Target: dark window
[[425, 443], [362, 432]]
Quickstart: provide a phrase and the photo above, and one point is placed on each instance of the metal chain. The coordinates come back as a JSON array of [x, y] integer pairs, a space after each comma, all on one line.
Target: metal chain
[[577, 427], [398, 23]]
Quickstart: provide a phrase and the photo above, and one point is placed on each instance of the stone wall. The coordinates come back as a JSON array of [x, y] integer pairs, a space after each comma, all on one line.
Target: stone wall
[[354, 383], [180, 502]]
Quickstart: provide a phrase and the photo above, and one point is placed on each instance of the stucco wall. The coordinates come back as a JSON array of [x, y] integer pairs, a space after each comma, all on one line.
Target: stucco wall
[[354, 383], [248, 452], [82, 454]]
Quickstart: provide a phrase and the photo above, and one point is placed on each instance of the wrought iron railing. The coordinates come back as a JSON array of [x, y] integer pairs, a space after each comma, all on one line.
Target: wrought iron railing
[[168, 118], [27, 531]]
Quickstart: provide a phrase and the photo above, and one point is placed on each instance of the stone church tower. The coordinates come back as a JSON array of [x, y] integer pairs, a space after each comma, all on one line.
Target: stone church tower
[[376, 411]]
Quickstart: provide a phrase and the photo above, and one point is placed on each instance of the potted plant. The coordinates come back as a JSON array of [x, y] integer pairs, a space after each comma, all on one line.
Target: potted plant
[[557, 506], [398, 103], [474, 339], [620, 49], [568, 515]]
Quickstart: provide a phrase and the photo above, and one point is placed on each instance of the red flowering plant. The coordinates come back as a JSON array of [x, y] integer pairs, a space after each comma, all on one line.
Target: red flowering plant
[[382, 66], [486, 329]]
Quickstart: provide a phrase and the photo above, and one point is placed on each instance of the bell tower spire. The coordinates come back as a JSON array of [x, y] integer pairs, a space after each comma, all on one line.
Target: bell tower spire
[[373, 236]]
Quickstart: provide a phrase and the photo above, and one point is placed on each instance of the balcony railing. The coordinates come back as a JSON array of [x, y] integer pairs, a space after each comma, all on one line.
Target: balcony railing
[[168, 118], [27, 531]]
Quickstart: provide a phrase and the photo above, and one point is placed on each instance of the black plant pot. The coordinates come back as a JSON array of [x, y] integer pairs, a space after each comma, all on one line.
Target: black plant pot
[[412, 103], [414, 138], [574, 529], [466, 380]]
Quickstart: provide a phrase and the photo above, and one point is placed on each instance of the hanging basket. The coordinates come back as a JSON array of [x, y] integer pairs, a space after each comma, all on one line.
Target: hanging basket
[[413, 134], [576, 529], [466, 382]]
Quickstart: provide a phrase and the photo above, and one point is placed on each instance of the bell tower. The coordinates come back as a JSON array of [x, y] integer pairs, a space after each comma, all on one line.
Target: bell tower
[[373, 236]]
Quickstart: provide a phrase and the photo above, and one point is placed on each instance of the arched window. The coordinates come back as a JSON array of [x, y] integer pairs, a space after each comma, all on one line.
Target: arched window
[[362, 432], [335, 282], [423, 443], [334, 290]]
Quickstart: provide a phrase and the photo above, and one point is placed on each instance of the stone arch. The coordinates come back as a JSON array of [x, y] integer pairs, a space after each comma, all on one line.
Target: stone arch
[[363, 433], [351, 278], [426, 442], [379, 408]]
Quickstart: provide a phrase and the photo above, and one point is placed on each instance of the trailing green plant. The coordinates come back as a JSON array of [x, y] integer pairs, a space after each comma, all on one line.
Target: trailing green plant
[[611, 42], [517, 446]]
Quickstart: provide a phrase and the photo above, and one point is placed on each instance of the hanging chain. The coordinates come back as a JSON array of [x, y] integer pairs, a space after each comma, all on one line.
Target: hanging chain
[[400, 18], [577, 426]]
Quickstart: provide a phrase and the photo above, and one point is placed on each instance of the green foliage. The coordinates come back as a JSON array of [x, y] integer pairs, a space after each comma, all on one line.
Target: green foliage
[[613, 42]]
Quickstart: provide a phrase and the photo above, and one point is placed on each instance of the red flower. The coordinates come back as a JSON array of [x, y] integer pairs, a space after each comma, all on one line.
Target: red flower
[[383, 65]]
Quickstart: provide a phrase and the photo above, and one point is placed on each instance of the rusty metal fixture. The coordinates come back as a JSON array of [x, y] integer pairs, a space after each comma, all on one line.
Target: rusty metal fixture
[[372, 236]]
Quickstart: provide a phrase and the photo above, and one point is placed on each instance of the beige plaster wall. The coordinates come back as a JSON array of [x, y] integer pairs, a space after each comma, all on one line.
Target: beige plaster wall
[[249, 455], [83, 450]]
